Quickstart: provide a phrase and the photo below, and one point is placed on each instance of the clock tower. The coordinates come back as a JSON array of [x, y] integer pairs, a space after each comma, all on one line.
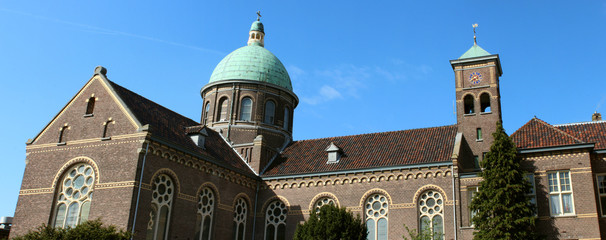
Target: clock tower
[[478, 100]]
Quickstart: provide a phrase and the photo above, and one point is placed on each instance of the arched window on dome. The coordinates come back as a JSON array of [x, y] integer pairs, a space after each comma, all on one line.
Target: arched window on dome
[[468, 103], [240, 211], [485, 102], [431, 213], [161, 205], [206, 109], [376, 208], [74, 196], [275, 221], [270, 112], [222, 109], [246, 109], [286, 118], [204, 216]]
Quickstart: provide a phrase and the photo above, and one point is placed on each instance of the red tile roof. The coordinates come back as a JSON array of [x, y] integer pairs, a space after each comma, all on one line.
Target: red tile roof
[[172, 127], [590, 132], [385, 149], [536, 133]]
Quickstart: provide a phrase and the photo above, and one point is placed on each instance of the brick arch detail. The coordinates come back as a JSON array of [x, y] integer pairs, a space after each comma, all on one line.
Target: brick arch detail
[[426, 188], [246, 199], [74, 161], [271, 199], [321, 195], [171, 174], [373, 191], [212, 187]]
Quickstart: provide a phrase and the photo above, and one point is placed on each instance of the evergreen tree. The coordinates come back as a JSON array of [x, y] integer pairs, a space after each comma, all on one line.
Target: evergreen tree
[[87, 230], [331, 223], [502, 208]]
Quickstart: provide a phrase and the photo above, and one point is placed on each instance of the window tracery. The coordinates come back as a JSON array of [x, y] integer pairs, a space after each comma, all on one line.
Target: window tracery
[[74, 196], [431, 212], [240, 212], [162, 197], [376, 209], [275, 221], [206, 207]]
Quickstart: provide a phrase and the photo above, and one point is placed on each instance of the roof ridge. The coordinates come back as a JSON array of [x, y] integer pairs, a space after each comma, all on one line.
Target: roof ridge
[[353, 135], [558, 130], [579, 123], [151, 101]]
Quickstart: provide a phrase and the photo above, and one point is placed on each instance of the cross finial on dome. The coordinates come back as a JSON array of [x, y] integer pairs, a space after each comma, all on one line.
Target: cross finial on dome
[[475, 25], [258, 15]]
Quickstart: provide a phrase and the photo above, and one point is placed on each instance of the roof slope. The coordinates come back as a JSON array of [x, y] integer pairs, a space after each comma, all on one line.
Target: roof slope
[[590, 132], [474, 51], [385, 149], [172, 127], [536, 133]]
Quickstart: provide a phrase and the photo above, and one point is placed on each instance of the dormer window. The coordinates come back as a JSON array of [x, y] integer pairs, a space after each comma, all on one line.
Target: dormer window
[[334, 153], [199, 137]]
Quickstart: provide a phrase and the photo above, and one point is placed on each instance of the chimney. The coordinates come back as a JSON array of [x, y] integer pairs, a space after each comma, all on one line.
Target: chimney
[[596, 117]]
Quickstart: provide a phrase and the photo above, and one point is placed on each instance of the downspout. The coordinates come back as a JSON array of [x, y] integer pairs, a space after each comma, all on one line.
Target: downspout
[[255, 213], [139, 191], [231, 110], [454, 204]]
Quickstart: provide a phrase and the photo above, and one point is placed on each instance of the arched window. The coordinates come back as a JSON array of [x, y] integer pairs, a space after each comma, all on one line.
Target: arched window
[[222, 110], [206, 109], [246, 109], [270, 112], [286, 118], [485, 102], [161, 205], [90, 106], [206, 207], [376, 209], [431, 213], [74, 195], [240, 212], [63, 134], [275, 221], [468, 103], [323, 201]]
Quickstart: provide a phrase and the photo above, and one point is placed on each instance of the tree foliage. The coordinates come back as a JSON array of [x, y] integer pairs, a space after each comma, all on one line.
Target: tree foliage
[[502, 208], [331, 223], [88, 230], [424, 234]]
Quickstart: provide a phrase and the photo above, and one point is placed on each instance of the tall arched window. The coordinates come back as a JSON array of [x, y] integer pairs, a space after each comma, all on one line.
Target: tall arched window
[[376, 209], [74, 195], [206, 109], [286, 118], [468, 103], [246, 109], [485, 102], [431, 213], [206, 207], [275, 221], [90, 107], [223, 109], [161, 205], [240, 212], [270, 112], [323, 201]]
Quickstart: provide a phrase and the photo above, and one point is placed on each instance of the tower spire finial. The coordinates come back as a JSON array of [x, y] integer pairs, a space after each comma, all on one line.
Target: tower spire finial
[[258, 15], [475, 25]]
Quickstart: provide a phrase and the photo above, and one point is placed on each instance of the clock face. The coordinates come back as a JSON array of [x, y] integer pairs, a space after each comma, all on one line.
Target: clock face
[[475, 78]]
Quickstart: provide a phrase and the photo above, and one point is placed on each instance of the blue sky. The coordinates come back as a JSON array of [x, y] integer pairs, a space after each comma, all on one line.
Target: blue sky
[[357, 66]]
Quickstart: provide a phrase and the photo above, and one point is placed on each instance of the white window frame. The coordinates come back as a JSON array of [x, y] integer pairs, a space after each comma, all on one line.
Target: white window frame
[[533, 191], [559, 193], [600, 195], [471, 192]]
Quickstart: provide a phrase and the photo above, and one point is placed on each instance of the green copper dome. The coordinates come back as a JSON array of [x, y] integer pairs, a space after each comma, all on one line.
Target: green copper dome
[[257, 26], [252, 62], [474, 51]]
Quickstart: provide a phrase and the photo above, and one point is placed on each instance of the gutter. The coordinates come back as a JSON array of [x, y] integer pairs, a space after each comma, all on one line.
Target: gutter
[[255, 213], [557, 148], [139, 191]]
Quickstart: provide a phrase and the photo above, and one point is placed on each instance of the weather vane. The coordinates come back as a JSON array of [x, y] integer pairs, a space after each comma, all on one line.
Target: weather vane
[[475, 25], [259, 15]]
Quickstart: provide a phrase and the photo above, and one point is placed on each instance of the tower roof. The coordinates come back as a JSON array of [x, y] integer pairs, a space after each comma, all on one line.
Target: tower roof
[[474, 51], [252, 62]]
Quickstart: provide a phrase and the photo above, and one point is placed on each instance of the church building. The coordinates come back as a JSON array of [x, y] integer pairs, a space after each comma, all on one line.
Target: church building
[[238, 174]]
